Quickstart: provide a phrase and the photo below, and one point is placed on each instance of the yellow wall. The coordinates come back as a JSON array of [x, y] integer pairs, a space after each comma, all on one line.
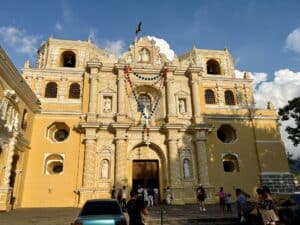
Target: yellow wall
[[42, 190]]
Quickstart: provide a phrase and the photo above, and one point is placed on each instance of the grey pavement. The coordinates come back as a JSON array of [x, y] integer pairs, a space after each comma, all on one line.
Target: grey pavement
[[179, 214]]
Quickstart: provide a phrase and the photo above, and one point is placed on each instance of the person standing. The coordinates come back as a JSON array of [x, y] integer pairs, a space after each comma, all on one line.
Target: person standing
[[201, 195], [221, 195], [124, 197], [113, 192], [136, 209], [228, 202], [156, 195], [169, 196]]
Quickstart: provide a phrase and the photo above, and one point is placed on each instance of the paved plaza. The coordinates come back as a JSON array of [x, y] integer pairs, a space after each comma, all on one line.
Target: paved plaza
[[185, 214]]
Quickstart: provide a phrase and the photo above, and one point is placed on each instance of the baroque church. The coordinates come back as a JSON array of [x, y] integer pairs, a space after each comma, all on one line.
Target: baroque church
[[83, 120]]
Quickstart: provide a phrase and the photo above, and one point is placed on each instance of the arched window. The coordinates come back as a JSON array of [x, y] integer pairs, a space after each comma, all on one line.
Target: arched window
[[51, 90], [229, 98], [145, 102], [213, 67], [74, 90], [24, 120], [54, 164], [68, 59], [210, 97], [230, 163]]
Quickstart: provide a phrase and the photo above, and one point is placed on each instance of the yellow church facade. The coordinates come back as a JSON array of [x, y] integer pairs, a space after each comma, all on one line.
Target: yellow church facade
[[96, 120]]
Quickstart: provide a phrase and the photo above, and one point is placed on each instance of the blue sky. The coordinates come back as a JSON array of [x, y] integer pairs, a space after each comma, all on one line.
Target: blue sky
[[263, 36], [254, 31]]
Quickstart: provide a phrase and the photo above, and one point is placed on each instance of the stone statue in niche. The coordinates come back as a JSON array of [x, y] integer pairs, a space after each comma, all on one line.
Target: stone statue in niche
[[107, 104], [186, 168], [104, 169], [182, 108], [144, 55]]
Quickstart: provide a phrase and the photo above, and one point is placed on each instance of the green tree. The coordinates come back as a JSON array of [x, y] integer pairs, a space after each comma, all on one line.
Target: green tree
[[292, 110]]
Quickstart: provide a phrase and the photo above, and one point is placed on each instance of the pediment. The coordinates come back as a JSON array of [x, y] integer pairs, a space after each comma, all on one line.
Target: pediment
[[107, 90], [145, 52], [181, 93]]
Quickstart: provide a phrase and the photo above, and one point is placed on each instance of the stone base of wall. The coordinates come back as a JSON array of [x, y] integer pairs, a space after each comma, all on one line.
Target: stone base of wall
[[5, 199], [278, 182]]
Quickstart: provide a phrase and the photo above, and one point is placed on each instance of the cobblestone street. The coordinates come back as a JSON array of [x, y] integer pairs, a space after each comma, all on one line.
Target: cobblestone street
[[186, 214]]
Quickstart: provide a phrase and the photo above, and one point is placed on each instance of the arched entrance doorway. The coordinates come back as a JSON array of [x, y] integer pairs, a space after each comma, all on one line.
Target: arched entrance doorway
[[148, 166], [145, 173]]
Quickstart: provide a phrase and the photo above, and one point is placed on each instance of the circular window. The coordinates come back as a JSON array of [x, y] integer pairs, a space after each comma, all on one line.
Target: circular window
[[61, 135], [226, 134]]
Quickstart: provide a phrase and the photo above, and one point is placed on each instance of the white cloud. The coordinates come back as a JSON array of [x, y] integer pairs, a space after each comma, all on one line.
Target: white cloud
[[19, 40], [93, 37], [284, 87], [164, 47], [258, 78], [58, 26], [293, 41], [116, 47]]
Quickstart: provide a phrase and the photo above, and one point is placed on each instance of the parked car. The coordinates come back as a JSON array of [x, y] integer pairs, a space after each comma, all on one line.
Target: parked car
[[101, 212]]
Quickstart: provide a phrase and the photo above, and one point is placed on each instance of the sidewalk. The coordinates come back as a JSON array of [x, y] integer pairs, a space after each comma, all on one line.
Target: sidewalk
[[183, 214]]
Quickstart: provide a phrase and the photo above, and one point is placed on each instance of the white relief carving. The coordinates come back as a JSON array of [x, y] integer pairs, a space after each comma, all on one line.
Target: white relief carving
[[186, 168], [105, 169], [182, 105], [107, 104]]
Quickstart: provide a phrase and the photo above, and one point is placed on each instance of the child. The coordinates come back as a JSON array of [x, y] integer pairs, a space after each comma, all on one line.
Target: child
[[228, 202]]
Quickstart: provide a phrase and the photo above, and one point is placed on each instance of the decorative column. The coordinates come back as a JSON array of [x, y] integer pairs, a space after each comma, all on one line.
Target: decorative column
[[39, 86], [121, 95], [94, 66], [220, 94], [5, 189], [89, 163], [174, 164], [200, 139], [170, 98], [121, 162], [62, 88], [195, 72], [201, 155], [121, 154], [87, 191]]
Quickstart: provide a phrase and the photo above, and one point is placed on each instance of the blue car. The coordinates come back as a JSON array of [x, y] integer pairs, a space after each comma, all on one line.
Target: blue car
[[101, 212]]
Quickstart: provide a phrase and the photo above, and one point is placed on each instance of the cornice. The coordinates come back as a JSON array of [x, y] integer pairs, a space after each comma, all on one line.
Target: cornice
[[16, 82]]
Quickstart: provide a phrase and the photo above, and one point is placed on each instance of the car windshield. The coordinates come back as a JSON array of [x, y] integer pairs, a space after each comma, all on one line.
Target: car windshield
[[101, 208]]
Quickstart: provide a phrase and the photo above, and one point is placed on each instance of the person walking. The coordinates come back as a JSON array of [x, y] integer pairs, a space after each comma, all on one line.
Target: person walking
[[241, 202], [201, 195], [136, 209], [150, 197], [266, 206]]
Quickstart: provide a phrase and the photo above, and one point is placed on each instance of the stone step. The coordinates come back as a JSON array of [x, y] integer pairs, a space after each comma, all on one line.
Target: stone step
[[220, 221]]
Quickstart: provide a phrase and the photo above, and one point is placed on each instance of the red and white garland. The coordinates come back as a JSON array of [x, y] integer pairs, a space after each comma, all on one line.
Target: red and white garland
[[159, 79]]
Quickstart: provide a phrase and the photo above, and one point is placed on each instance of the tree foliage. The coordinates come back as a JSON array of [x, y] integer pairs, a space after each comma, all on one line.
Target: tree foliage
[[292, 110], [294, 163]]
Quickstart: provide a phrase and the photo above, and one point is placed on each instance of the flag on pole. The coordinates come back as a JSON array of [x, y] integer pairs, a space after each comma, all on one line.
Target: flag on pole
[[138, 28]]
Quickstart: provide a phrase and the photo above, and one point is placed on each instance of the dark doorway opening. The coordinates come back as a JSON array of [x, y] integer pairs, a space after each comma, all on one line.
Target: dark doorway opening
[[145, 173]]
